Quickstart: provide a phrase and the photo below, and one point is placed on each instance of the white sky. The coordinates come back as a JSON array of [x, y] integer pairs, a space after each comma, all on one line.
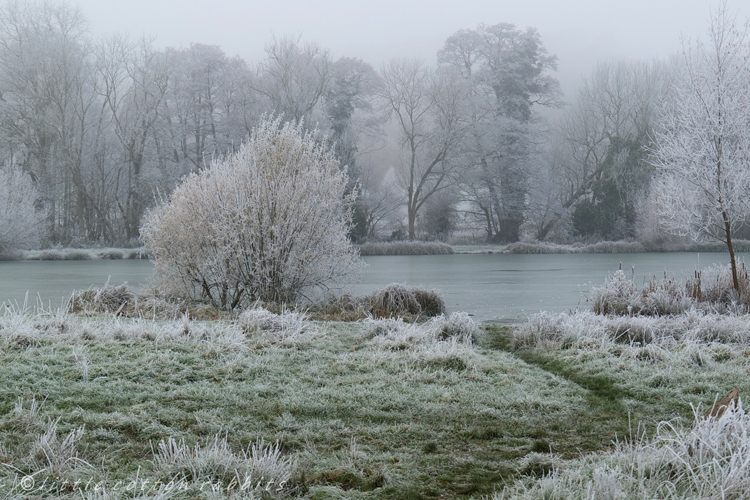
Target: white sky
[[579, 32]]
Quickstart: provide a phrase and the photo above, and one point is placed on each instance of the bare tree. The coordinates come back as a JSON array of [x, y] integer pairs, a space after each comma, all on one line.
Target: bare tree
[[428, 108], [293, 76], [46, 84], [703, 146], [21, 217], [615, 105], [132, 84]]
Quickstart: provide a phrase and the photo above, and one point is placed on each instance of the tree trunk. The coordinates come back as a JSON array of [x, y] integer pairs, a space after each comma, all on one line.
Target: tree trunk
[[412, 216], [732, 258]]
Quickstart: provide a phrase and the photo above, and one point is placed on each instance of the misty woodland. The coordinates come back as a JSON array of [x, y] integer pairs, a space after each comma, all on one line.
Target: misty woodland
[[96, 131], [244, 372]]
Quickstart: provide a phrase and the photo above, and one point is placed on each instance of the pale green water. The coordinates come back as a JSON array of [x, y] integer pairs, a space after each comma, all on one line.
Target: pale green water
[[493, 287]]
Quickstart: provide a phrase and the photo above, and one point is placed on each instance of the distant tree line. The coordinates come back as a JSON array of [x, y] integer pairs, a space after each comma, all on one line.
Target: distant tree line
[[101, 130]]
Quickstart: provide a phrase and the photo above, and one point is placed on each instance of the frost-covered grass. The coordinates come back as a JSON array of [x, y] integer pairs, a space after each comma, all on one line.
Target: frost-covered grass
[[708, 460], [306, 409], [268, 404], [710, 290], [635, 363], [405, 248]]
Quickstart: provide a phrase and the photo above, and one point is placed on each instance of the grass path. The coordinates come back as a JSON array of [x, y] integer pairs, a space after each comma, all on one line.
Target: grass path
[[604, 417]]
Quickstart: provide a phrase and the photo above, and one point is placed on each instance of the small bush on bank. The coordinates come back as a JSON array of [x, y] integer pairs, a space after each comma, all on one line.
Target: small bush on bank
[[117, 300], [267, 223], [397, 300], [406, 248]]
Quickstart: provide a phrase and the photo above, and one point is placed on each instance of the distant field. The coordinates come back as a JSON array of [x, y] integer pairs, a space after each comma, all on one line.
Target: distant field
[[379, 409]]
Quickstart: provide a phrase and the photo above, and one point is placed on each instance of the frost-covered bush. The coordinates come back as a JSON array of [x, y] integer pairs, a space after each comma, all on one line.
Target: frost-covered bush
[[21, 221], [268, 223], [107, 299]]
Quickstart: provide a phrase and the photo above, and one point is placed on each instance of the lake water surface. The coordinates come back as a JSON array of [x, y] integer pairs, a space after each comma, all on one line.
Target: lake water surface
[[492, 287]]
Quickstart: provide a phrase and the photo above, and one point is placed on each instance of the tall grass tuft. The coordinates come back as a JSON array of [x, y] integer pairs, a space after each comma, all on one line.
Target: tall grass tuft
[[397, 300], [59, 455], [117, 300], [259, 467], [393, 301]]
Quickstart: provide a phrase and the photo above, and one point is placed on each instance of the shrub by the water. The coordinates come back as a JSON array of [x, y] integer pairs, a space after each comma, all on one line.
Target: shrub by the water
[[108, 299], [268, 223], [711, 289]]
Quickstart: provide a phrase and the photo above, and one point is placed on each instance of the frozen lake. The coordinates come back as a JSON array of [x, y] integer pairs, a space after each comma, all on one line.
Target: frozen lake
[[495, 287]]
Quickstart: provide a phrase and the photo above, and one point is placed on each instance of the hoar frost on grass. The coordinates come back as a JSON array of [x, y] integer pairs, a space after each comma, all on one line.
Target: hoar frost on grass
[[21, 329], [259, 467], [710, 290], [442, 338], [288, 328], [709, 460], [581, 329]]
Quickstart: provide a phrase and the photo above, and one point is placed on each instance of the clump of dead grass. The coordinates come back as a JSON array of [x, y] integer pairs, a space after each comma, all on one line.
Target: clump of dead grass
[[393, 301]]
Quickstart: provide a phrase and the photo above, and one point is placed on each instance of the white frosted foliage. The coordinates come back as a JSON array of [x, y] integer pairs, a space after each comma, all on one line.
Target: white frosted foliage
[[268, 223], [21, 223], [702, 147]]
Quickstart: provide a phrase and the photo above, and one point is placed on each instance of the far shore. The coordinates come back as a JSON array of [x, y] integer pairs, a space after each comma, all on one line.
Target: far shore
[[408, 248]]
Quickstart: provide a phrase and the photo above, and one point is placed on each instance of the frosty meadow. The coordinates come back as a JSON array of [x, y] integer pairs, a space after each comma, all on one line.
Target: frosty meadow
[[246, 370]]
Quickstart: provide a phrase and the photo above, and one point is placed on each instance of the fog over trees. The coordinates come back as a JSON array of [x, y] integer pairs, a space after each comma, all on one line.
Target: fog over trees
[[94, 131]]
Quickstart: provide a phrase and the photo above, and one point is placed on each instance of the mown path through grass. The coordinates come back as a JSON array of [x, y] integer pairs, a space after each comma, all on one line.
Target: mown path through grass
[[605, 417]]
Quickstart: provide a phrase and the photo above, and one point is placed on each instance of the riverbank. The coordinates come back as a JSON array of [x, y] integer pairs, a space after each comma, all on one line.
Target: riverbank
[[327, 409], [408, 248], [106, 253]]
